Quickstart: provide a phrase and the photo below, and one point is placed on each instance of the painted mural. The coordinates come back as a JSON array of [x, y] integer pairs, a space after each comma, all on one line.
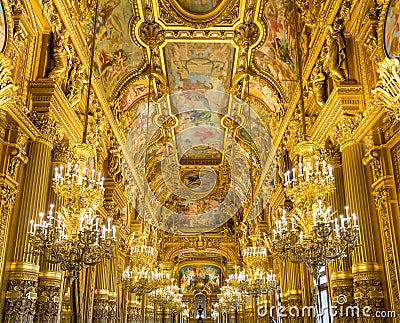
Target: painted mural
[[3, 28], [264, 93], [115, 53], [199, 66], [392, 29], [189, 275], [134, 91], [199, 6], [277, 55]]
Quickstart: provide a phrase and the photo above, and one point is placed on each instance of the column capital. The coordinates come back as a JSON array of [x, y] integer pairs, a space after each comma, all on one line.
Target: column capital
[[343, 132], [61, 153], [47, 125]]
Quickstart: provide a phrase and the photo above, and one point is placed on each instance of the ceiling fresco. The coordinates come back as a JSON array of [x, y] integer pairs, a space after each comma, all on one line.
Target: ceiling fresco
[[199, 6], [196, 66], [277, 56], [115, 52], [196, 148]]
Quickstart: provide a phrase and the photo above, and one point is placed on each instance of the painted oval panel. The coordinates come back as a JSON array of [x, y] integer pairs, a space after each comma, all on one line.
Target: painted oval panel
[[3, 28], [199, 6], [392, 29]]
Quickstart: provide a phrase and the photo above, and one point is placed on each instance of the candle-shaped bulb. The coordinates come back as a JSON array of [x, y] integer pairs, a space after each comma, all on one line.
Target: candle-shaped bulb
[[355, 219]]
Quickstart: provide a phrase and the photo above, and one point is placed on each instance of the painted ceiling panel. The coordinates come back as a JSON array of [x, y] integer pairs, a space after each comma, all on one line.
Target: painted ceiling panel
[[277, 55], [115, 53], [199, 6], [194, 66]]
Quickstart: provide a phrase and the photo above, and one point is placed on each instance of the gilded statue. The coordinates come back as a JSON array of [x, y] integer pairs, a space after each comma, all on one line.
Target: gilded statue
[[61, 56], [335, 62], [319, 84]]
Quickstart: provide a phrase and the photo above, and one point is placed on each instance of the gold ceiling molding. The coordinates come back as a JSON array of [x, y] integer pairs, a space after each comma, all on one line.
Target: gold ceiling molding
[[171, 13]]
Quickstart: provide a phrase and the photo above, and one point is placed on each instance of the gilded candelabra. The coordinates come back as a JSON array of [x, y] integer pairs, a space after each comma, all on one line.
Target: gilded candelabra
[[325, 239], [75, 237], [74, 248]]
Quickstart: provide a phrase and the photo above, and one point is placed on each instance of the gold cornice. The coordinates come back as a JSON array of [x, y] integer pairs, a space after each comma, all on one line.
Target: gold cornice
[[47, 95], [345, 99]]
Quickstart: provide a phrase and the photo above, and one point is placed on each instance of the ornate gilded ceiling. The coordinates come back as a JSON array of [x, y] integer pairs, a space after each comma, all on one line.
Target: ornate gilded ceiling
[[195, 45]]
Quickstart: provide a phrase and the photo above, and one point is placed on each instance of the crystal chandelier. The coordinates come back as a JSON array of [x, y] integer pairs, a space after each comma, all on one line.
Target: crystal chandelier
[[73, 247], [139, 282], [326, 238], [254, 282], [231, 298], [80, 187], [311, 179], [75, 237]]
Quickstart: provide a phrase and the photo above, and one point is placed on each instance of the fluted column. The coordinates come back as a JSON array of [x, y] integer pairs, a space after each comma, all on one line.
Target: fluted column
[[340, 275], [133, 309], [50, 276], [294, 293], [100, 305], [23, 278], [366, 276]]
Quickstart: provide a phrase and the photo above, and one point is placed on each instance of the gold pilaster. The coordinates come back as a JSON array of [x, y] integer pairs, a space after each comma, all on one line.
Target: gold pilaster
[[357, 197]]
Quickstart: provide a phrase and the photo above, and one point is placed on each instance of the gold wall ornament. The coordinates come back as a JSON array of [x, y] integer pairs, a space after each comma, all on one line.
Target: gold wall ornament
[[387, 91], [47, 125], [226, 13], [343, 132], [382, 204]]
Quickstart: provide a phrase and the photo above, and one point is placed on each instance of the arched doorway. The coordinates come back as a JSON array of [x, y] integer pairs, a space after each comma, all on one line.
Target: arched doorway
[[200, 299]]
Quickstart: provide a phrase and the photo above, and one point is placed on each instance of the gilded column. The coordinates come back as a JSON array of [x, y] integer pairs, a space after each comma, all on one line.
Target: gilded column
[[340, 275], [23, 277], [13, 145], [294, 293], [50, 276], [365, 270], [100, 304], [133, 309]]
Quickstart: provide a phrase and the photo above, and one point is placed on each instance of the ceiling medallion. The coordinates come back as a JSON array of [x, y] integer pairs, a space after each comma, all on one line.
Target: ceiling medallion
[[199, 13]]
